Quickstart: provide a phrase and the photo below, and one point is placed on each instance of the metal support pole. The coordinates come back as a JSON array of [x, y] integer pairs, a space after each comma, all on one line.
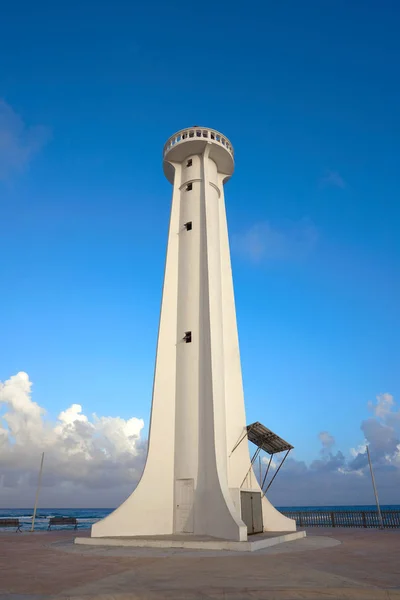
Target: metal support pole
[[37, 492], [277, 471], [259, 469], [239, 442], [375, 491], [256, 453], [266, 472]]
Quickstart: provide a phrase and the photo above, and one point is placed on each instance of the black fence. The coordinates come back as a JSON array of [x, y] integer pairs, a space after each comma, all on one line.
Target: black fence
[[350, 518]]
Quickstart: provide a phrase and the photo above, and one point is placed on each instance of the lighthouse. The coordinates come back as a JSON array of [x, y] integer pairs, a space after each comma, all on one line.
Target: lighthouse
[[198, 478]]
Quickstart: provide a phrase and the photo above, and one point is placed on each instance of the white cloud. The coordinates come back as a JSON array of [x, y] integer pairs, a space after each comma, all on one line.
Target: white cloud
[[265, 242], [266, 459], [384, 405], [333, 179], [326, 439], [361, 449], [18, 142], [82, 454]]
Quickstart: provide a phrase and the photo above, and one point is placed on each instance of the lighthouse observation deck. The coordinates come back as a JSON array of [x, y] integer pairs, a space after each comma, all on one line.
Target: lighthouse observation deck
[[194, 140]]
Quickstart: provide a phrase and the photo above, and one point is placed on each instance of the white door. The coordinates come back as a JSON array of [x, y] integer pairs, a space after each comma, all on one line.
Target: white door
[[184, 495]]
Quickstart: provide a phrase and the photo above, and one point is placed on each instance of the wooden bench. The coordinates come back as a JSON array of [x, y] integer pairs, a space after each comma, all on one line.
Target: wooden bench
[[63, 521], [11, 523]]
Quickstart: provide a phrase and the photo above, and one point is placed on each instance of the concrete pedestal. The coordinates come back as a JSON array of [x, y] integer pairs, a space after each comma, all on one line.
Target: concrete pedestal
[[195, 542]]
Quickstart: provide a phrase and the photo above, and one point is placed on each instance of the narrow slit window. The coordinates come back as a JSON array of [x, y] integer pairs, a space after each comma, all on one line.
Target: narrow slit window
[[189, 162], [188, 226], [189, 187], [188, 337]]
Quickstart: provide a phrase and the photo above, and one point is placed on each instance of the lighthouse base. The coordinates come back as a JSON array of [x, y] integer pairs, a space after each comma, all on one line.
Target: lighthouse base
[[196, 542]]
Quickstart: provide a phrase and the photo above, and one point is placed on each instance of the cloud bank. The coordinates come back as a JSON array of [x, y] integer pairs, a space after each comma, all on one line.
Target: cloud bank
[[85, 458], [97, 461], [18, 142], [336, 479]]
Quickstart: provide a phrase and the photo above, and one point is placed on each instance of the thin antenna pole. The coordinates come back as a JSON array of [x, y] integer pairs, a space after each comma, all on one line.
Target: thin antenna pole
[[375, 491], [37, 492]]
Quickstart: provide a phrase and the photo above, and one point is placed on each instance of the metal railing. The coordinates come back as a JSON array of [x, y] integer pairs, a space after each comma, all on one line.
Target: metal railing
[[196, 133], [350, 518]]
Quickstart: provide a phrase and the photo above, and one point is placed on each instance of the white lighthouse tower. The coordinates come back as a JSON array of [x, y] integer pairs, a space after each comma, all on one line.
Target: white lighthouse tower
[[197, 474]]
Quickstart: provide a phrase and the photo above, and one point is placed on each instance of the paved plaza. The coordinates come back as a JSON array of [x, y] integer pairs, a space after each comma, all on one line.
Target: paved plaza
[[331, 563]]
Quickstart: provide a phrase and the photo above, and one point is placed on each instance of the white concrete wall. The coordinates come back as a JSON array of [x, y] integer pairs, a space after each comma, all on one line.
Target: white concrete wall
[[198, 411], [216, 514], [187, 365]]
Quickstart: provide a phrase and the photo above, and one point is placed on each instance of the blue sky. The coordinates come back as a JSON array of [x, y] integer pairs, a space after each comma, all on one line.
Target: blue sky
[[308, 93]]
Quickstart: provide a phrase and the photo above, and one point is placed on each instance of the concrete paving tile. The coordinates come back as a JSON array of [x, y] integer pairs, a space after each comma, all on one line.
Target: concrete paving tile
[[23, 597], [364, 566], [249, 594], [171, 577]]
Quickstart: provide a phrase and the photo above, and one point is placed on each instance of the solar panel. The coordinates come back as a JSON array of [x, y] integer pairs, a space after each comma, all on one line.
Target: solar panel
[[266, 439]]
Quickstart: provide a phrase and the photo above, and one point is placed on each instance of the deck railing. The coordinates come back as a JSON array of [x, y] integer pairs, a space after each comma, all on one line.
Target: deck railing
[[195, 133], [350, 518]]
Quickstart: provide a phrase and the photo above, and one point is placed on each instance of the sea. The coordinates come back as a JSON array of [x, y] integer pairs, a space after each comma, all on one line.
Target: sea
[[87, 516]]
